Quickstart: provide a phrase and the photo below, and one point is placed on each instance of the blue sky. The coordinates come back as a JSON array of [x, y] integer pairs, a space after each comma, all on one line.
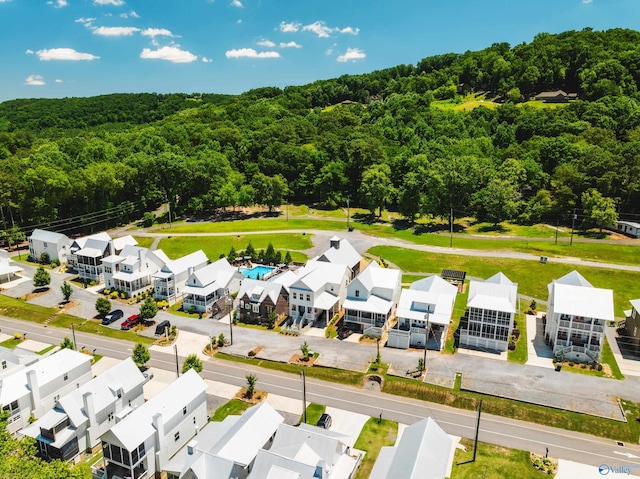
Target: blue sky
[[58, 48]]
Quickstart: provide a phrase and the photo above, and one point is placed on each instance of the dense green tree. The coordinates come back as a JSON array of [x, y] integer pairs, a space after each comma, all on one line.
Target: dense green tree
[[252, 380], [140, 355], [66, 343], [376, 188], [66, 290], [599, 210], [41, 278], [103, 305], [148, 308], [192, 362]]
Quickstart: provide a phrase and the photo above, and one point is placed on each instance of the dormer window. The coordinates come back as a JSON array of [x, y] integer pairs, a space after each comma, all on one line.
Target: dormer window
[[357, 293]]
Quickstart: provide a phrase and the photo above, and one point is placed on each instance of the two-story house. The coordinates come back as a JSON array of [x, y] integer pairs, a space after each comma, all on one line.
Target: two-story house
[[132, 269], [12, 360], [80, 417], [86, 254], [55, 245], [342, 252], [142, 443], [318, 293], [631, 330], [424, 309], [208, 289], [32, 391], [258, 299], [491, 309], [372, 298], [169, 282], [226, 449], [8, 269], [577, 314]]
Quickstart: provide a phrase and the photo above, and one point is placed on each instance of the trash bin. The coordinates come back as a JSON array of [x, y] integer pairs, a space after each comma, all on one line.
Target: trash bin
[[543, 259]]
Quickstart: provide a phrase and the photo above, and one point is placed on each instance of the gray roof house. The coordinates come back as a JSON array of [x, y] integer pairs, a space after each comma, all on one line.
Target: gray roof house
[[226, 449], [56, 245], [80, 417], [424, 451], [144, 441]]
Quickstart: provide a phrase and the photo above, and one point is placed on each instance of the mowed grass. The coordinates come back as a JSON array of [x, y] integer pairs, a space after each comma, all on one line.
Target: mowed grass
[[254, 225], [521, 353], [214, 246], [374, 435], [493, 462], [234, 407], [18, 309], [314, 411], [532, 276], [144, 241]]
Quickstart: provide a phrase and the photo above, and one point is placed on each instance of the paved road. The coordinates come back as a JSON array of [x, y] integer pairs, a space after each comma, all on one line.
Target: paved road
[[506, 432]]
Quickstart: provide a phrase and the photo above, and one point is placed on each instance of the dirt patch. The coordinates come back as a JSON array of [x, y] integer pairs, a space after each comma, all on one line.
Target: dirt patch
[[35, 293], [254, 352], [300, 359], [257, 398], [368, 340], [373, 382], [69, 304]]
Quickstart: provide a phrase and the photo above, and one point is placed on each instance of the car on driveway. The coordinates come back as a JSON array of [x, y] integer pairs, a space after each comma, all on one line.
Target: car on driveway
[[130, 322], [324, 421], [112, 317], [344, 332]]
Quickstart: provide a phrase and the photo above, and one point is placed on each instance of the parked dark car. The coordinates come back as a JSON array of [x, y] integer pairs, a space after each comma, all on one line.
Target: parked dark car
[[344, 332], [160, 328], [112, 317], [324, 421], [130, 322]]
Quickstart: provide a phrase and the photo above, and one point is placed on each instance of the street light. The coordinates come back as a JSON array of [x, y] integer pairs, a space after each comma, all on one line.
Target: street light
[[230, 302], [426, 341]]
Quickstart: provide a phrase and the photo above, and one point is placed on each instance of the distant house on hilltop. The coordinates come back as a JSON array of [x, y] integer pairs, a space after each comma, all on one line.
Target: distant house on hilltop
[[557, 96]]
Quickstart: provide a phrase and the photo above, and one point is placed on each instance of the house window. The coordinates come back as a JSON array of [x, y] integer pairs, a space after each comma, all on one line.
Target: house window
[[176, 436], [357, 293], [194, 419], [44, 244], [110, 417], [241, 304], [295, 295], [256, 308], [184, 410], [4, 365], [66, 376], [308, 297], [247, 305]]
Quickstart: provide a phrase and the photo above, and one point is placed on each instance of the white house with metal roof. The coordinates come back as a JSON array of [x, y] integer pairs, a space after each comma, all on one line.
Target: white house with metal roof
[[424, 451], [56, 245], [425, 308], [342, 252], [169, 282], [318, 293], [34, 390], [491, 307], [80, 417], [306, 452], [8, 269], [577, 314], [131, 270], [142, 443], [208, 289], [12, 360], [372, 298], [86, 254], [226, 449]]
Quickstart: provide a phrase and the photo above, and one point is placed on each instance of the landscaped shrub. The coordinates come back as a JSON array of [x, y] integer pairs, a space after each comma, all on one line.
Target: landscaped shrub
[[55, 263], [44, 258], [114, 295], [123, 295]]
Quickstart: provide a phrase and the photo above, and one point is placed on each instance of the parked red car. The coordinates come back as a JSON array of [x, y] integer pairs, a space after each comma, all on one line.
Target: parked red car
[[130, 322]]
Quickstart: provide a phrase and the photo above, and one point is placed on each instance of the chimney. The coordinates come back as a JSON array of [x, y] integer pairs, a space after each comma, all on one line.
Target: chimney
[[192, 447], [158, 423], [32, 382], [335, 242], [89, 408]]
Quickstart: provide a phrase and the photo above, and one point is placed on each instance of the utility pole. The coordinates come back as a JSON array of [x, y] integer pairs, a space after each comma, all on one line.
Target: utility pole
[[73, 333], [573, 224], [426, 343], [556, 230], [451, 229], [230, 322], [304, 397], [175, 348], [348, 213], [475, 443]]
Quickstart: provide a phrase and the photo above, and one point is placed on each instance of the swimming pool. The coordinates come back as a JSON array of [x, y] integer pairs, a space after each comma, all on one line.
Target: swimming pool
[[256, 272]]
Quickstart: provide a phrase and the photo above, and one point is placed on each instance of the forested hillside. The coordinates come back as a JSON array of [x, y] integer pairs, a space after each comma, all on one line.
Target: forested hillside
[[398, 137]]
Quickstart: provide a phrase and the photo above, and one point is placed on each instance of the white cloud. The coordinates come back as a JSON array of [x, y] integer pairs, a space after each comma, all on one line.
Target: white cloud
[[352, 54], [34, 80], [239, 21], [350, 30], [586, 2], [266, 43], [172, 54], [290, 45], [58, 3], [57, 80], [250, 53], [115, 31], [5, 1], [328, 51], [29, 51], [206, 60], [86, 21], [323, 31], [115, 3], [156, 32], [133, 14], [64, 54], [237, 3], [289, 27]]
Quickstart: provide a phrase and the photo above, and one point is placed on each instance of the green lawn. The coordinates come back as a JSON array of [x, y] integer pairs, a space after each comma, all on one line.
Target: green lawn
[[214, 246], [255, 225], [521, 353], [493, 462], [10, 343], [234, 407], [144, 241], [607, 358], [532, 277], [374, 435], [46, 350], [459, 308], [314, 411], [19, 309]]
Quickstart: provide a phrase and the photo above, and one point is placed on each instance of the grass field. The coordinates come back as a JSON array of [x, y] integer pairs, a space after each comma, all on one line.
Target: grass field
[[254, 225], [532, 277], [521, 353], [144, 241], [214, 246], [234, 407], [493, 462], [374, 435], [10, 343], [314, 411]]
